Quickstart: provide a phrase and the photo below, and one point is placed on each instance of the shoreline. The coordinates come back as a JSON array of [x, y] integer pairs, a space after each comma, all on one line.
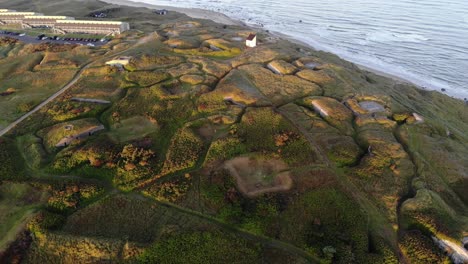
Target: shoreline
[[360, 66], [221, 18], [191, 12]]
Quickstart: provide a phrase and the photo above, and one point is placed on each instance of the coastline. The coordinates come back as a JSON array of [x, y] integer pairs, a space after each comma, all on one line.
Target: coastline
[[191, 12], [360, 66], [221, 18]]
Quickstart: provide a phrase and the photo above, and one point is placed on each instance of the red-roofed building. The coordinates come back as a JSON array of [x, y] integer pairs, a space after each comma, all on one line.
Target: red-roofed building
[[251, 41]]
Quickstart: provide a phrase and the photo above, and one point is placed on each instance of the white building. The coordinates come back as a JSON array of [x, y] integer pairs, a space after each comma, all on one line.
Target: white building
[[15, 17], [119, 61], [90, 26], [251, 41], [43, 21], [6, 10]]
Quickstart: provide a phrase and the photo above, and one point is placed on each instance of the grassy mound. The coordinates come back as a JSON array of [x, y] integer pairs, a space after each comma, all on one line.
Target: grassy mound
[[133, 128], [280, 89]]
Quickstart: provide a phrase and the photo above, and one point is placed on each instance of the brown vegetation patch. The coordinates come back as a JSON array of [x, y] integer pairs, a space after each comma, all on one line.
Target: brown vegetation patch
[[333, 112], [281, 67], [280, 89], [313, 179], [51, 47], [192, 79], [256, 176], [147, 62], [183, 69], [318, 77], [8, 41], [236, 88], [257, 55], [182, 43], [217, 69]]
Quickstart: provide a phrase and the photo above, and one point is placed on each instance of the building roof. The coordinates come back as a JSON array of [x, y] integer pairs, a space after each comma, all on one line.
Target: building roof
[[7, 10], [251, 37], [90, 22], [19, 14], [49, 17]]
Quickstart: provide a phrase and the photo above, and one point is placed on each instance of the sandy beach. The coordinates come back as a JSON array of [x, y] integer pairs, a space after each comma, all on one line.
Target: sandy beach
[[191, 12]]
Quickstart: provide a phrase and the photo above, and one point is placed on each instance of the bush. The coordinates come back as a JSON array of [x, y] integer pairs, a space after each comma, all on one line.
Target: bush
[[134, 164], [172, 190], [25, 107], [147, 78], [68, 197], [184, 151], [259, 127], [225, 149], [201, 247], [421, 249], [12, 164]]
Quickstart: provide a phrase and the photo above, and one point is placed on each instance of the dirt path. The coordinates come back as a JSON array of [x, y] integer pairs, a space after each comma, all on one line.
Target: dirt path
[[45, 102], [67, 86]]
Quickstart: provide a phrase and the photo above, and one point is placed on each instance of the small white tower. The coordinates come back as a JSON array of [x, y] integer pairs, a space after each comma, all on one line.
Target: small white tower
[[251, 41]]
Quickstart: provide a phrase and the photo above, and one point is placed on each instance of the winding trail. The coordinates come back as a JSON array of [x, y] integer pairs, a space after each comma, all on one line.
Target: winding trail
[[67, 86], [38, 107]]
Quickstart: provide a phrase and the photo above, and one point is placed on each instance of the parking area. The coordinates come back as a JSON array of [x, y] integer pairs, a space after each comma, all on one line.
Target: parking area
[[60, 39]]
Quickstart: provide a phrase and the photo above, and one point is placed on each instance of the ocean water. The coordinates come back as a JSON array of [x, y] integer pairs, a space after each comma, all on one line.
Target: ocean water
[[423, 41]]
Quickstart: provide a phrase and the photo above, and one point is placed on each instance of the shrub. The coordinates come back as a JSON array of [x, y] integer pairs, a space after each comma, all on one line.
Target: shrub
[[259, 127], [172, 190], [421, 249], [12, 167], [147, 78], [225, 148], [133, 165], [67, 197], [201, 247], [25, 107], [184, 151]]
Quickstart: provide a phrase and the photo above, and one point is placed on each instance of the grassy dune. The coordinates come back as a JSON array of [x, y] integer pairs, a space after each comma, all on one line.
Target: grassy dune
[[155, 185]]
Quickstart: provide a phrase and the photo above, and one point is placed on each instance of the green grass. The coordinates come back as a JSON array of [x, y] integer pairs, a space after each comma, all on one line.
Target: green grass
[[132, 128], [32, 151], [52, 135], [12, 162], [18, 202], [31, 89], [201, 247], [184, 152]]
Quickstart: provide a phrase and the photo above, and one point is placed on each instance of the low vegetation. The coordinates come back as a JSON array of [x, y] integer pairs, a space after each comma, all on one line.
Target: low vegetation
[[209, 152]]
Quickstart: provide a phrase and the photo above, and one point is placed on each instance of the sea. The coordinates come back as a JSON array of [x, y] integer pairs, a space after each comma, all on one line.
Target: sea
[[422, 41]]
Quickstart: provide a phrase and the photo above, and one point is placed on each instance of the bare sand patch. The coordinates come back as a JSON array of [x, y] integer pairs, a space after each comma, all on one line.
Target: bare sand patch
[[256, 176]]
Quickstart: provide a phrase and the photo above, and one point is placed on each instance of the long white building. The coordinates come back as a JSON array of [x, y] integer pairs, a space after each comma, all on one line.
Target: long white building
[[91, 26], [62, 24], [15, 17], [43, 21]]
